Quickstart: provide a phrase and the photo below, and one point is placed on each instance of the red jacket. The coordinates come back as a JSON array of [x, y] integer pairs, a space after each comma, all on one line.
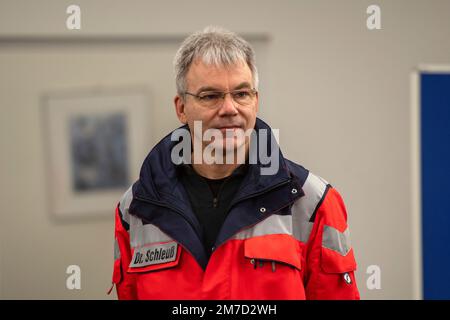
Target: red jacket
[[285, 237]]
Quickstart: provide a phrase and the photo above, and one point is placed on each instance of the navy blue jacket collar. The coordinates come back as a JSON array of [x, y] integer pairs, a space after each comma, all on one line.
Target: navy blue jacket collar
[[158, 175]]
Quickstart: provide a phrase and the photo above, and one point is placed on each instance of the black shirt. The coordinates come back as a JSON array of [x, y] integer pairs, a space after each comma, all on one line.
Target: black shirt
[[210, 199]]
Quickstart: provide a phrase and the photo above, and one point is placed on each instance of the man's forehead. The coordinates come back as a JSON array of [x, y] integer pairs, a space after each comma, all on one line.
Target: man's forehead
[[219, 76]]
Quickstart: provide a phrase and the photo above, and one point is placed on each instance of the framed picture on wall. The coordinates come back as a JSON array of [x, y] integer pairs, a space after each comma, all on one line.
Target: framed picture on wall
[[96, 140]]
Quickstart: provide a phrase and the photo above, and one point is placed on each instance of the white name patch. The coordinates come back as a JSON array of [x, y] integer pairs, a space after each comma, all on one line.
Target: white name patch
[[154, 254]]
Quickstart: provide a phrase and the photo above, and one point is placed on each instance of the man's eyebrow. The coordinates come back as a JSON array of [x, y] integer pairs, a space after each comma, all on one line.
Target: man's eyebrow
[[207, 88], [243, 85], [210, 88]]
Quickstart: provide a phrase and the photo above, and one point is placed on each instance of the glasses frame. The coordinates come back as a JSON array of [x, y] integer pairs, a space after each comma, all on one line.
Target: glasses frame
[[222, 95]]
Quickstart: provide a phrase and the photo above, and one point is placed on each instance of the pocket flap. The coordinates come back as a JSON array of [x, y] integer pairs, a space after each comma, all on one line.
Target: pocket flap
[[337, 252], [333, 262], [275, 247], [155, 256]]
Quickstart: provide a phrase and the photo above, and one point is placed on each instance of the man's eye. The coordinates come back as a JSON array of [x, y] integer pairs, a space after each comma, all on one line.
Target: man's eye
[[209, 96], [241, 94]]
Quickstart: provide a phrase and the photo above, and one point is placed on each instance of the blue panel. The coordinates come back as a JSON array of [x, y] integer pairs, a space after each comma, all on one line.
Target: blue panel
[[435, 139]]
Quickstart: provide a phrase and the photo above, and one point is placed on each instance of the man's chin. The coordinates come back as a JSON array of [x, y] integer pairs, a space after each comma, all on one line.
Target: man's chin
[[230, 144], [234, 150]]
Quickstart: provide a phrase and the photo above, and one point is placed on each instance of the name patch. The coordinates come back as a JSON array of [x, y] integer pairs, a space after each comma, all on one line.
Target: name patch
[[154, 254]]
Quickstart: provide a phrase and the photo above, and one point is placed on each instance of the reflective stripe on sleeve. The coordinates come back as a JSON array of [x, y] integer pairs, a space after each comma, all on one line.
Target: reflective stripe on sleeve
[[335, 240], [116, 250], [124, 205]]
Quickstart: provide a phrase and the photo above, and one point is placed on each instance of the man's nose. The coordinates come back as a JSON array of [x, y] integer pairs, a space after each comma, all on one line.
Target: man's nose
[[228, 106]]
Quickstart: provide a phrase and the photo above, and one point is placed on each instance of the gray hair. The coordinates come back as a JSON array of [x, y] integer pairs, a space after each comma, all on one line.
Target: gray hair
[[214, 46]]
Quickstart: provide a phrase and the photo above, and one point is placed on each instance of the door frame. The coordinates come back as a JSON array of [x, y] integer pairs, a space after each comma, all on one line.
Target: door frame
[[416, 174]]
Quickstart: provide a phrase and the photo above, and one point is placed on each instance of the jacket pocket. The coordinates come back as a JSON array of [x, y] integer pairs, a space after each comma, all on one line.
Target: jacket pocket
[[337, 253], [278, 248], [334, 262], [155, 256]]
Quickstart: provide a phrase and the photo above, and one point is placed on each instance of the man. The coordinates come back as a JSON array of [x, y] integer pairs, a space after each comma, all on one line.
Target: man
[[210, 217]]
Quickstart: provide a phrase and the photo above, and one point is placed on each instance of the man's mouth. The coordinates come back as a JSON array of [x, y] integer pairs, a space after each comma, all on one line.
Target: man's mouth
[[226, 129]]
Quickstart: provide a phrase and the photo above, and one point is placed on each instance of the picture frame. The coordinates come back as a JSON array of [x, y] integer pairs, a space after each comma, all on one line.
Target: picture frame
[[96, 141]]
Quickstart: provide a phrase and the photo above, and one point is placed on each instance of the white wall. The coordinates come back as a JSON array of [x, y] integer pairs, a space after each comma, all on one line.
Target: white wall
[[338, 92]]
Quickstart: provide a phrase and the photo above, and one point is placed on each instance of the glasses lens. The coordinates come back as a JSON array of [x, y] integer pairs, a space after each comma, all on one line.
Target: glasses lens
[[209, 99], [212, 99], [243, 97]]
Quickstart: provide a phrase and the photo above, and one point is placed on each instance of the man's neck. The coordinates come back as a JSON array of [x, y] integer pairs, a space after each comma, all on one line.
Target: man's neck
[[218, 171], [214, 171]]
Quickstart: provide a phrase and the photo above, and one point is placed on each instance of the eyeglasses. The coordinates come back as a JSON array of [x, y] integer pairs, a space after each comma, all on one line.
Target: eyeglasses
[[213, 99]]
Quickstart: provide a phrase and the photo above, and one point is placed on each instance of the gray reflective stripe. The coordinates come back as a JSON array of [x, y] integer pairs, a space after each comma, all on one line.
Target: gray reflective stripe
[[116, 250], [274, 224], [298, 224], [303, 231], [141, 235], [302, 210], [335, 240], [125, 204], [325, 182]]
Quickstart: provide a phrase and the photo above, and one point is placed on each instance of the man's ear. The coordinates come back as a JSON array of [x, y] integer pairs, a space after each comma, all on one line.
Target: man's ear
[[179, 109]]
